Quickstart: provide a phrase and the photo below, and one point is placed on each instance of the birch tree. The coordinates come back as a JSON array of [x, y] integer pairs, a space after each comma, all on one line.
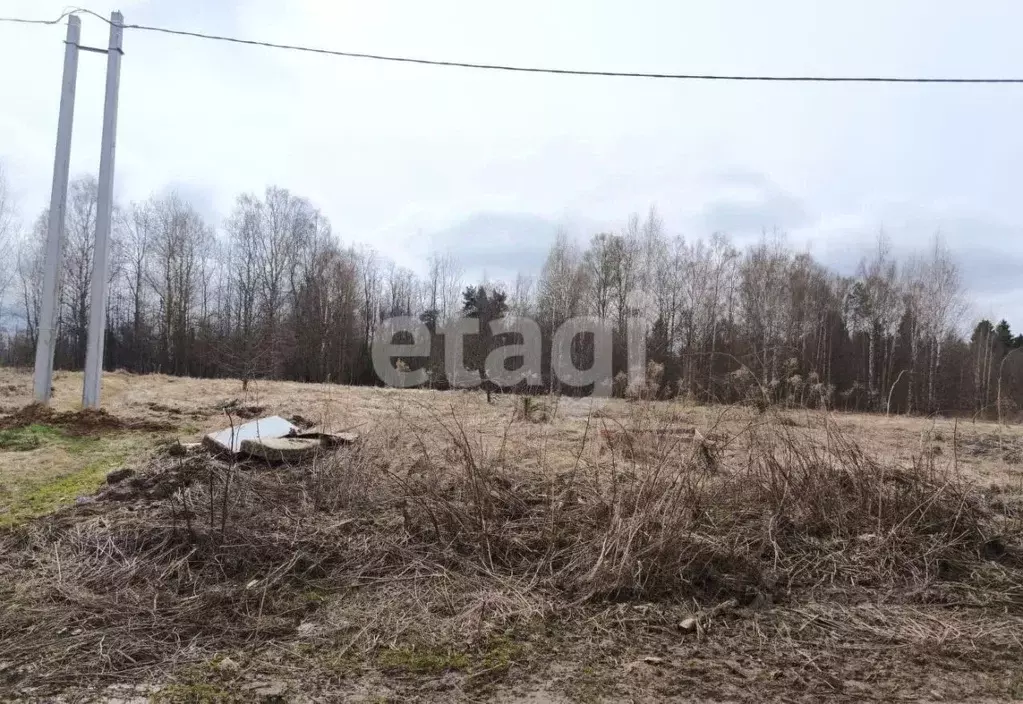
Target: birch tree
[[8, 228]]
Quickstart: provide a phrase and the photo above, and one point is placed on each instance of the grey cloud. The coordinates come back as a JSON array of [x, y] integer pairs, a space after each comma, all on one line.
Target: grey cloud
[[985, 271], [987, 251], [502, 244], [200, 196], [765, 206]]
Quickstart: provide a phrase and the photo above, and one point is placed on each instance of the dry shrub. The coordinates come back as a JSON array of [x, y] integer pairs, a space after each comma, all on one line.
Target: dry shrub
[[647, 388], [798, 515], [531, 410], [636, 391], [232, 554], [620, 385]]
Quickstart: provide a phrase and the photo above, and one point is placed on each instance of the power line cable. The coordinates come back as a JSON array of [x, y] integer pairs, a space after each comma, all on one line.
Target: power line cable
[[19, 20], [536, 69]]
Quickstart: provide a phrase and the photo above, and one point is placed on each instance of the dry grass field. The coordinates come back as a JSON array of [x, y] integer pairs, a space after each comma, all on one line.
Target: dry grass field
[[539, 550]]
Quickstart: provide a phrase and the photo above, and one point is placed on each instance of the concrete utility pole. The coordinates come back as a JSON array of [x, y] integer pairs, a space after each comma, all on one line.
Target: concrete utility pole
[[104, 214], [47, 323]]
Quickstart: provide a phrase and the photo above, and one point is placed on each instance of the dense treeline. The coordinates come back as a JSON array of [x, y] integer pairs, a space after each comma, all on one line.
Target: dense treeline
[[273, 293]]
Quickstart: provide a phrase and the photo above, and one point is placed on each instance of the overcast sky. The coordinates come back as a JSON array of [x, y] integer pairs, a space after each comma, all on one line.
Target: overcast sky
[[408, 157]]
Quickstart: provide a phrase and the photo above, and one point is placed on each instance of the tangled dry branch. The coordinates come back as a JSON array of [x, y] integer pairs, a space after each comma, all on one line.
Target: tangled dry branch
[[194, 555]]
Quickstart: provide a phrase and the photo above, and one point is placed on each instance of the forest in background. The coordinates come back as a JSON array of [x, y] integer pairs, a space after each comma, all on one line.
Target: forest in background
[[273, 293]]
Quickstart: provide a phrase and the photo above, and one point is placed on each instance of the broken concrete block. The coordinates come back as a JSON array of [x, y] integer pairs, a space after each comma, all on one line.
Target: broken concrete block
[[230, 439], [689, 625], [286, 449], [340, 438], [330, 439]]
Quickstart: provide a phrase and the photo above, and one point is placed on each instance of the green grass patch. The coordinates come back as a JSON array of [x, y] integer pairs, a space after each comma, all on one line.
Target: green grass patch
[[49, 496], [496, 656], [422, 660], [28, 438], [502, 651], [69, 466], [194, 693]]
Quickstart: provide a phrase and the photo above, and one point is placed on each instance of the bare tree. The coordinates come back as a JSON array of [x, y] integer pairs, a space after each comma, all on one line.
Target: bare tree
[[370, 279], [601, 270], [285, 222], [945, 306], [880, 309], [180, 240], [8, 227], [627, 260], [400, 289], [29, 266], [136, 226], [520, 301], [764, 297], [245, 351], [76, 277], [451, 287], [563, 283]]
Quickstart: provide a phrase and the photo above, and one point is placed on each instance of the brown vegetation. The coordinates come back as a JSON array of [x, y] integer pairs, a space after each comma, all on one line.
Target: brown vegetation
[[640, 549]]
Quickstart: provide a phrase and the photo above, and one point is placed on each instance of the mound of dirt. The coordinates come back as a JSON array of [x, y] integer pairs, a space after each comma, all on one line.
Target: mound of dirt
[[87, 421], [158, 481]]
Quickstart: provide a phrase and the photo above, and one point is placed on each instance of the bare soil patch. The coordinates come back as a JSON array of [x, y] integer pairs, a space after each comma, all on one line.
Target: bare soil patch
[[86, 421]]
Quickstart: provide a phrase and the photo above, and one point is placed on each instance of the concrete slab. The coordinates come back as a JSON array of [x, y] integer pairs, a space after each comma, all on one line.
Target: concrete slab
[[287, 449], [230, 439], [330, 439]]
